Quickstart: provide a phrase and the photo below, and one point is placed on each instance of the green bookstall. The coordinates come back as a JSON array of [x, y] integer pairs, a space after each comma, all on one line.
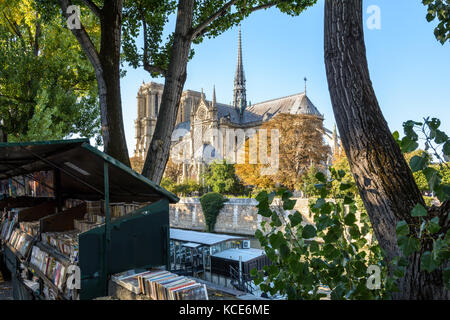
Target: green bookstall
[[65, 203]]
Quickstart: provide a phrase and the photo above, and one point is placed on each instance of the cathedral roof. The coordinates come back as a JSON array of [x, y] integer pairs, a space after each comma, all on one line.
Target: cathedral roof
[[225, 111], [293, 104]]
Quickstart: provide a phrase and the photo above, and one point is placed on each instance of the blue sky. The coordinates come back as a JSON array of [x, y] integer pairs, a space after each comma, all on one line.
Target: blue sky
[[409, 68]]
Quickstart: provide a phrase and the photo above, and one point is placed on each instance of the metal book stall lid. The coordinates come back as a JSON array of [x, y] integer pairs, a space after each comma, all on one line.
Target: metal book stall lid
[[80, 171]]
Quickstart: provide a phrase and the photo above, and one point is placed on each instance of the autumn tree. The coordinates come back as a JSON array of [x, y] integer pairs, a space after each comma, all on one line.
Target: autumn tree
[[301, 146], [382, 176], [173, 171]]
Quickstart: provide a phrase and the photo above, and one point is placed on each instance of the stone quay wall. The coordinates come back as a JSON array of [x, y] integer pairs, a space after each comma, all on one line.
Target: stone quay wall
[[238, 216]]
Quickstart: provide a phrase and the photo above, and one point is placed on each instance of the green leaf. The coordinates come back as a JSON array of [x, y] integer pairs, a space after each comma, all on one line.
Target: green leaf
[[345, 186], [446, 148], [321, 177], [341, 173], [284, 250], [417, 163], [295, 218], [348, 200], [289, 204], [434, 226], [276, 219], [276, 239], [408, 245], [427, 262], [309, 232], [441, 137], [419, 211], [433, 177], [350, 219], [402, 228], [443, 192], [319, 203], [408, 145]]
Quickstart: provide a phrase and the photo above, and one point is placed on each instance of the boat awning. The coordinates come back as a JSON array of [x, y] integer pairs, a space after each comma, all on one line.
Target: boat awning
[[81, 169], [204, 238], [237, 254]]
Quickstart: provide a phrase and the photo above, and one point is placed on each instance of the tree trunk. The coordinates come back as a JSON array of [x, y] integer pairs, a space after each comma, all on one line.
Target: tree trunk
[[106, 65], [3, 135], [111, 104], [159, 151], [384, 180]]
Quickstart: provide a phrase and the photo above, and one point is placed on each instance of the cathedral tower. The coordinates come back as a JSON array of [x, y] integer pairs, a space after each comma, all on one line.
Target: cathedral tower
[[240, 94]]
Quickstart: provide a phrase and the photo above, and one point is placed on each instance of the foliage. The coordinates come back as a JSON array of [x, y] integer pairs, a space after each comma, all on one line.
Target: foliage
[[439, 9], [47, 88], [173, 170], [212, 203], [301, 146], [333, 253], [220, 176], [145, 20], [425, 231], [188, 188], [309, 181]]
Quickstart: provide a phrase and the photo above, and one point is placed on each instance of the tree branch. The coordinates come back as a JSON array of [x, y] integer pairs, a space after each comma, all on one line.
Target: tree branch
[[85, 41], [93, 7], [154, 69], [201, 29], [203, 25], [14, 27]]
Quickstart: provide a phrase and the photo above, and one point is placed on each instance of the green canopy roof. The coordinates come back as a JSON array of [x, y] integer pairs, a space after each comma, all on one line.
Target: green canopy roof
[[82, 170]]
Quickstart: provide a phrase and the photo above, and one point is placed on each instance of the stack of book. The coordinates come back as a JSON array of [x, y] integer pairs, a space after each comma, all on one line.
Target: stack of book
[[31, 228], [53, 269], [163, 285], [20, 241], [85, 225], [8, 225], [65, 242]]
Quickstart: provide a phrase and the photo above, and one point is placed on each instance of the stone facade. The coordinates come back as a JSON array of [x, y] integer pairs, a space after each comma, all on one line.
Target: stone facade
[[238, 216], [207, 130]]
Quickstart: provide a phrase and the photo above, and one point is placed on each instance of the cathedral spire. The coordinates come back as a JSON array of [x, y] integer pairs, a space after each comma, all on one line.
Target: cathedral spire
[[240, 94], [213, 104]]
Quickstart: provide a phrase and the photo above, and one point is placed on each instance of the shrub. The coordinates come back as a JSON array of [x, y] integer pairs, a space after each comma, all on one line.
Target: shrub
[[212, 203]]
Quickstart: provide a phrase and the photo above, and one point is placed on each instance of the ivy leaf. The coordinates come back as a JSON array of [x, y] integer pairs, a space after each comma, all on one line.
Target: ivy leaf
[[319, 203], [434, 226], [419, 211], [408, 145], [441, 137], [309, 232], [427, 262], [350, 219], [321, 177], [295, 218], [284, 250], [443, 192], [345, 186], [348, 200], [408, 245], [417, 163], [446, 148], [402, 228], [341, 173], [276, 239], [433, 177], [289, 204], [276, 219]]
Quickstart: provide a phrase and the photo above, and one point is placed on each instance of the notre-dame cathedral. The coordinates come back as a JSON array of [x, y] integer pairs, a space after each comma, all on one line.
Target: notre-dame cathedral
[[196, 110]]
